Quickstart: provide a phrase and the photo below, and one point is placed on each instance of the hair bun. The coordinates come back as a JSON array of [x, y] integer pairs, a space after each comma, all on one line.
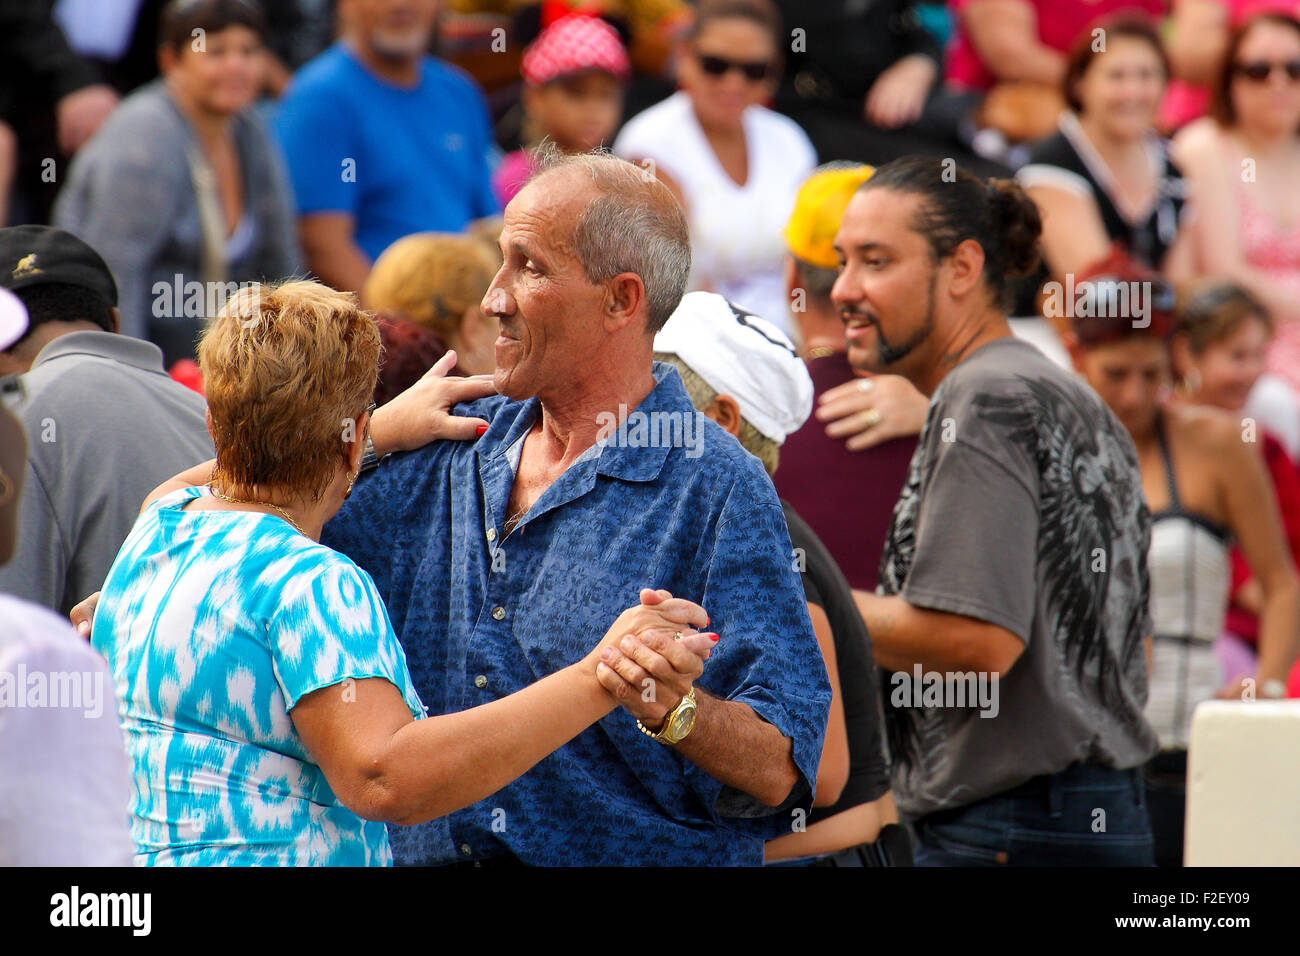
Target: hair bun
[[1019, 224]]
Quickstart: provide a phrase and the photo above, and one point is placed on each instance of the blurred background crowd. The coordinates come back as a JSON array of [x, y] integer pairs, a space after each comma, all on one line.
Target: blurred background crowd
[[373, 144]]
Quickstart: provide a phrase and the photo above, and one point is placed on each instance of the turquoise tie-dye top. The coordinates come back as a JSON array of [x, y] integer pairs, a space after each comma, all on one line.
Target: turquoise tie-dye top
[[215, 624]]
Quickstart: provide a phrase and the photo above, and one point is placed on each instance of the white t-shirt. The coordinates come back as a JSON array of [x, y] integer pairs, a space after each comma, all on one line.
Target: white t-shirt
[[736, 242], [64, 777]]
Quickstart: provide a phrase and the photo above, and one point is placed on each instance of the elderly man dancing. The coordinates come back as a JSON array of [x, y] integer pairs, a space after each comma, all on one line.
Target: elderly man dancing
[[496, 557]]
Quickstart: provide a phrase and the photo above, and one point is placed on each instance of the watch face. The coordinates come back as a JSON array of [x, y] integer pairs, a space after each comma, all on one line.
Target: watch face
[[682, 722]]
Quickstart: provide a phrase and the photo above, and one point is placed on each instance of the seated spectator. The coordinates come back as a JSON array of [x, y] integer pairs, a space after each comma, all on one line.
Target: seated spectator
[[426, 289], [1243, 167], [1106, 176], [574, 75], [182, 188], [863, 84], [51, 99], [301, 752], [1218, 358], [106, 423], [1205, 487], [382, 140], [557, 514], [744, 374], [734, 164], [843, 468], [63, 774], [1014, 53]]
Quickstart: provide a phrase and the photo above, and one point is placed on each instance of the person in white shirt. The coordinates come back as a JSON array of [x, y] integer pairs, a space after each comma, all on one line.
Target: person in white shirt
[[64, 784], [734, 165]]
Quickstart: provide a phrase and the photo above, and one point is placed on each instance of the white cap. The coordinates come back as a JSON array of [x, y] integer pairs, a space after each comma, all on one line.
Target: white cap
[[13, 319], [741, 355]]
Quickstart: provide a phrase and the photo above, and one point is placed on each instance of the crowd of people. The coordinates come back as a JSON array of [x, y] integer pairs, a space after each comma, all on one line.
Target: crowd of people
[[725, 432]]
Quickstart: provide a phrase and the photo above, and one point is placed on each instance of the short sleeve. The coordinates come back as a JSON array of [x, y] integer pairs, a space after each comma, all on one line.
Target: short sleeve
[[768, 657], [332, 627], [975, 506], [316, 143]]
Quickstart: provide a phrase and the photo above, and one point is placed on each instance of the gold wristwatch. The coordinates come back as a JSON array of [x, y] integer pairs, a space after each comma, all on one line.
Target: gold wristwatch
[[678, 723]]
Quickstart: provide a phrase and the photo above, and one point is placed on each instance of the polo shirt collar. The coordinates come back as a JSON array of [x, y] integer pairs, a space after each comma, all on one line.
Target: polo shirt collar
[[615, 459], [110, 345]]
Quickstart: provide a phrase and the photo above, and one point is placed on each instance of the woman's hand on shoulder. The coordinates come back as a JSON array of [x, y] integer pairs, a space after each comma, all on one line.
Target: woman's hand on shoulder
[[422, 413]]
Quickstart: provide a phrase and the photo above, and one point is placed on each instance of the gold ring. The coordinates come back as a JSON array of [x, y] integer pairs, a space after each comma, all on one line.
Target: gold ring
[[871, 417], [677, 636]]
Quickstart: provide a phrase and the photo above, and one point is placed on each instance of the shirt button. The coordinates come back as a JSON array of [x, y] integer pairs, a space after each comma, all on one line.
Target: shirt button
[[480, 682], [498, 613], [465, 849], [491, 534]]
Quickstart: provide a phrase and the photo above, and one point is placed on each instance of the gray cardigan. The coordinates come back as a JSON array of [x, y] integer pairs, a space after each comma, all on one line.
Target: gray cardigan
[[129, 194]]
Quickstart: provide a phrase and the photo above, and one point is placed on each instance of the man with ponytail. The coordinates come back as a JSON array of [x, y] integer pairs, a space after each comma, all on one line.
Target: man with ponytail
[[1012, 602]]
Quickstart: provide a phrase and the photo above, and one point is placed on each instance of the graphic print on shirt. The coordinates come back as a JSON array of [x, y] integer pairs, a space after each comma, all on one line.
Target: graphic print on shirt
[[1087, 562]]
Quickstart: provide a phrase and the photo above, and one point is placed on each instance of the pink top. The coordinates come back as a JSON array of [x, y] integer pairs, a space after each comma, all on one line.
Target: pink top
[[1060, 22], [1275, 252], [513, 172]]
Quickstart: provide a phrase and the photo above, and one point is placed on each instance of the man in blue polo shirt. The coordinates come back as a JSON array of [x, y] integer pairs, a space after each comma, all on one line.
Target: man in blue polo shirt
[[499, 559], [382, 140]]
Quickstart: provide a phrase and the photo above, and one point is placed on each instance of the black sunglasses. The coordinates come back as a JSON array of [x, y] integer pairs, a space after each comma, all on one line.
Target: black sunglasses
[[1258, 71], [717, 66]]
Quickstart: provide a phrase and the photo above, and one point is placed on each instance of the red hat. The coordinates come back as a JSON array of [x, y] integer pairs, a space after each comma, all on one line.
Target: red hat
[[574, 44]]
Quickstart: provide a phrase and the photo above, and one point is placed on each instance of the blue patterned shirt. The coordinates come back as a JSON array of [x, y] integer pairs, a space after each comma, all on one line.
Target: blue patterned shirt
[[482, 614], [215, 624]]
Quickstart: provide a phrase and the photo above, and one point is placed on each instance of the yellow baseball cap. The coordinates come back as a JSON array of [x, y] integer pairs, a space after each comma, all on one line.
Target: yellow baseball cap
[[818, 209]]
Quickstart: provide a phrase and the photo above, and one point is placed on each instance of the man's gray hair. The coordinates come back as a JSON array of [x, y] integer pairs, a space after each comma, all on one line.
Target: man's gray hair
[[634, 225]]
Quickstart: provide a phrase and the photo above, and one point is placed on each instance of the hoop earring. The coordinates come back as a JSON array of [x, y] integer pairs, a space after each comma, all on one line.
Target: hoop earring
[[352, 480]]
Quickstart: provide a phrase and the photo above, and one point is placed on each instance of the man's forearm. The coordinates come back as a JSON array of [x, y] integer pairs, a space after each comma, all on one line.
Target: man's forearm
[[903, 636], [735, 746]]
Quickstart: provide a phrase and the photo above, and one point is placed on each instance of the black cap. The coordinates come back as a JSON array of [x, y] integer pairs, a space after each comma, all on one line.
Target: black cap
[[43, 255]]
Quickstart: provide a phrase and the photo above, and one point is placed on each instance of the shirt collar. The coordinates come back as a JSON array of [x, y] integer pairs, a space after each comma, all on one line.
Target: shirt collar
[[110, 345], [613, 458]]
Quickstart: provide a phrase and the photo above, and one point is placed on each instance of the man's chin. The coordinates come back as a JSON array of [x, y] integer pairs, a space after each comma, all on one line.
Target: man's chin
[[864, 359]]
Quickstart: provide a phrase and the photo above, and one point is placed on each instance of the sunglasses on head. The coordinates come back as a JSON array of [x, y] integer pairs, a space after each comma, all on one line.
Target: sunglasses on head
[[1113, 324], [717, 66], [1257, 71]]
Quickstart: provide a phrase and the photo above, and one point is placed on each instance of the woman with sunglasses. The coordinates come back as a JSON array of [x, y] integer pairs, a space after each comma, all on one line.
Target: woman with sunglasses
[[266, 704], [1218, 357], [1206, 489], [734, 164], [1243, 169]]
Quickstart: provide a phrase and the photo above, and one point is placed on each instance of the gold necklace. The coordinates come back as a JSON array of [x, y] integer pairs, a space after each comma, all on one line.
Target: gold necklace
[[244, 501], [820, 351]]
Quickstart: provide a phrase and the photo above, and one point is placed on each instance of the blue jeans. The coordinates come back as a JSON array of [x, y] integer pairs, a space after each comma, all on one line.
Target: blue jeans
[[1086, 815]]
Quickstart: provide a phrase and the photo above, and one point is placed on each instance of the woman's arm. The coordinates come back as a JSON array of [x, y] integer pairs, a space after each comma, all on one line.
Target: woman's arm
[[1256, 522], [1197, 38], [1004, 34], [385, 766], [1073, 235], [200, 474], [833, 770]]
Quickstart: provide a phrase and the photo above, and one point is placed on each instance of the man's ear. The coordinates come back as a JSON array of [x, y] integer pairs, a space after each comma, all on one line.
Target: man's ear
[[624, 301], [116, 314], [166, 59], [726, 412], [965, 267]]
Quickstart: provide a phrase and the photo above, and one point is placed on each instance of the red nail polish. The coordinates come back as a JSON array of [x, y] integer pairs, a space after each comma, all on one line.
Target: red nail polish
[[480, 430], [712, 636]]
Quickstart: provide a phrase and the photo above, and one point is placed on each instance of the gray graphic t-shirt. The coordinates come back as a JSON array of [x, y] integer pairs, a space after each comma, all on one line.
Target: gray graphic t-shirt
[[1023, 507]]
